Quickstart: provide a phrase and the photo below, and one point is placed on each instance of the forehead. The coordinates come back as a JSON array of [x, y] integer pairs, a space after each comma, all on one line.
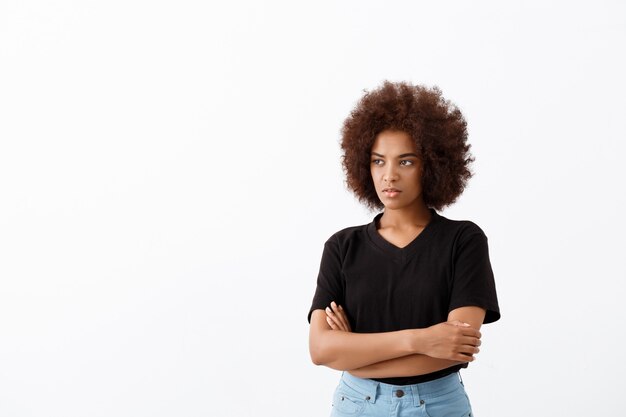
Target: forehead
[[393, 142]]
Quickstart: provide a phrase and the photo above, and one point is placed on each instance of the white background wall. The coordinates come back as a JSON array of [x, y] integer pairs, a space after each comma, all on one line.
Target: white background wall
[[169, 172]]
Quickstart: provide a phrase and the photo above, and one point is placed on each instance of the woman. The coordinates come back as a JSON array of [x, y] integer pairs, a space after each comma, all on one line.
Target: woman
[[400, 301]]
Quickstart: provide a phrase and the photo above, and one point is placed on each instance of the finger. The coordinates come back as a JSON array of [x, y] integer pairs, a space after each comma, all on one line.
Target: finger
[[340, 315], [338, 323], [334, 317], [469, 350], [466, 334], [346, 323], [468, 331], [466, 328], [458, 323], [331, 323], [346, 317], [472, 341], [464, 358]]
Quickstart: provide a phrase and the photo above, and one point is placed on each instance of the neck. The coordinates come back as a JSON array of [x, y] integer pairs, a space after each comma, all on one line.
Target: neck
[[406, 217]]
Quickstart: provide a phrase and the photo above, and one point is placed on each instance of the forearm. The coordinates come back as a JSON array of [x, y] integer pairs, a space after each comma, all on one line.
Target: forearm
[[415, 364], [346, 350], [420, 364]]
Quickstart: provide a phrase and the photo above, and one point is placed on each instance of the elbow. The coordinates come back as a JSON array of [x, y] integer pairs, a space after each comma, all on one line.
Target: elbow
[[317, 355], [316, 360], [321, 357], [321, 350], [336, 365]]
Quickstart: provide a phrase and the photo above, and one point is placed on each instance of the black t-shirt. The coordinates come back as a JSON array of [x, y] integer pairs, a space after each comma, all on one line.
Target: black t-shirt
[[385, 288]]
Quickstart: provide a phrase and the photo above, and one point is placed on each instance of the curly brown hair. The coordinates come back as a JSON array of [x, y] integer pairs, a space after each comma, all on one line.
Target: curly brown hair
[[437, 127]]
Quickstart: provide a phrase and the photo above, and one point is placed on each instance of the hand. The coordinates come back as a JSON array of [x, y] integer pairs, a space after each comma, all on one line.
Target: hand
[[336, 318], [452, 340]]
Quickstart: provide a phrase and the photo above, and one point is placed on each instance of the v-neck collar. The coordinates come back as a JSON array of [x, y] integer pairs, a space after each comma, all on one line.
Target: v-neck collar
[[402, 253]]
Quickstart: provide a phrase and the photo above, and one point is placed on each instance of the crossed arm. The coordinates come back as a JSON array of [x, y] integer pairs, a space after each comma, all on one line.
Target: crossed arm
[[400, 353]]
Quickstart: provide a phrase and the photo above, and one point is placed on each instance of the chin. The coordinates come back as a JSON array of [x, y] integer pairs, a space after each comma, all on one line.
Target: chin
[[393, 204]]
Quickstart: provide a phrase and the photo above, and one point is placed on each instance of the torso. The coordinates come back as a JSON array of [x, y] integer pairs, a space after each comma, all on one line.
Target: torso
[[395, 281], [399, 239]]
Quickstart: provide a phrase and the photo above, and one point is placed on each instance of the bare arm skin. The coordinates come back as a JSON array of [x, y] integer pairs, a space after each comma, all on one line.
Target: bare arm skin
[[406, 366], [343, 350], [346, 350], [419, 364]]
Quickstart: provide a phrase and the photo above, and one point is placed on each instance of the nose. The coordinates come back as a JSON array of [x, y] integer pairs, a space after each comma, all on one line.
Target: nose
[[390, 174]]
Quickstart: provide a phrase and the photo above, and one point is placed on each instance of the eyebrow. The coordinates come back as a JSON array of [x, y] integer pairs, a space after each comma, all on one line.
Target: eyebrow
[[404, 155]]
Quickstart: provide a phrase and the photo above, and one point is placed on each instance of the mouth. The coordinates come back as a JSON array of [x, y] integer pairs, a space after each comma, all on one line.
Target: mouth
[[391, 192]]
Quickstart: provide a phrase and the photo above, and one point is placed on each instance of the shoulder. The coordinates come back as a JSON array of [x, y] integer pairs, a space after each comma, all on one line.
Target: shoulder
[[462, 231], [461, 227], [338, 244], [347, 235]]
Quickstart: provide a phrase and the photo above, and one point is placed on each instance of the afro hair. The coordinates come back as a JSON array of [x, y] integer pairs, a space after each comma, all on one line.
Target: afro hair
[[437, 127]]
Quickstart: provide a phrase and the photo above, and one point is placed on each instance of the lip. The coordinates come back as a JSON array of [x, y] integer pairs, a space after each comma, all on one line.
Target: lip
[[391, 192]]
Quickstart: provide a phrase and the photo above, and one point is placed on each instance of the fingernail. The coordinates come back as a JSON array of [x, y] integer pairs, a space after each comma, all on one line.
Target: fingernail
[[333, 304]]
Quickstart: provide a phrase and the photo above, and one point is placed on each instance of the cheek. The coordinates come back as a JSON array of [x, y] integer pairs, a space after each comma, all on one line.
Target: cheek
[[417, 184]]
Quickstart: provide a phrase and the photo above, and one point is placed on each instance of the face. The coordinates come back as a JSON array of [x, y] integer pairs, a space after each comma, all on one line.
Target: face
[[396, 170]]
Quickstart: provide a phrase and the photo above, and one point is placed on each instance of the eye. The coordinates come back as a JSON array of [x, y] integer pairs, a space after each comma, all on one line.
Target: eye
[[374, 161], [409, 162]]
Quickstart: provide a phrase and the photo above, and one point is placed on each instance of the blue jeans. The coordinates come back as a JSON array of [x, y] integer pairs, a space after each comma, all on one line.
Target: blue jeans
[[363, 397]]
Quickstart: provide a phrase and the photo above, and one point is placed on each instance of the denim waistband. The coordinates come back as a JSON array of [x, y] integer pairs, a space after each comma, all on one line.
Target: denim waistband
[[416, 393]]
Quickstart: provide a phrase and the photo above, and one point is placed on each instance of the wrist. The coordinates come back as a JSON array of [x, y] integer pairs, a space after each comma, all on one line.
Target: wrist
[[417, 340]]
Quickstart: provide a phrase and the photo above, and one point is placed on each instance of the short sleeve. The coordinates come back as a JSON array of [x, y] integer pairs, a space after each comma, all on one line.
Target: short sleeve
[[473, 282], [329, 282]]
